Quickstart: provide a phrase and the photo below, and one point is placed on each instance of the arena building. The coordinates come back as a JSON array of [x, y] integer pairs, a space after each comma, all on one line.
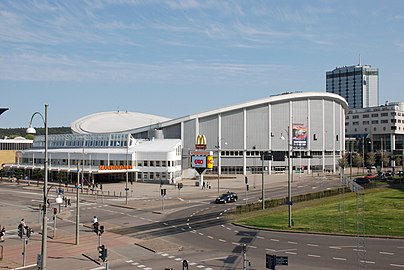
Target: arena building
[[106, 146], [312, 123]]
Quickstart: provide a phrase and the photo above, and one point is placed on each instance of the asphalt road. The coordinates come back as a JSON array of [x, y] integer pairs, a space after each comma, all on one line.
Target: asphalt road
[[192, 228]]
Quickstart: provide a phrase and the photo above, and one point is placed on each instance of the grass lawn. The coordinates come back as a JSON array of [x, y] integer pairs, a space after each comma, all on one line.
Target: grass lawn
[[383, 215]]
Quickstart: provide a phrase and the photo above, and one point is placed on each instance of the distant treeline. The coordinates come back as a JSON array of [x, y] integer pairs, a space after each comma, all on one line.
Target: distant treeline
[[20, 132]]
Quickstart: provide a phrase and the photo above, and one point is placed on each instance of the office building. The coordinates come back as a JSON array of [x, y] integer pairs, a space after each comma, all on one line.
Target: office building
[[359, 85]]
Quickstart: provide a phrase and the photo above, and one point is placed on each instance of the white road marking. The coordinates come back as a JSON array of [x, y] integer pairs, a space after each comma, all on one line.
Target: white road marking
[[178, 259], [210, 237], [312, 245], [369, 262], [275, 240], [200, 233], [314, 256], [213, 259], [130, 261], [386, 253], [335, 247], [397, 265], [260, 237], [339, 259], [221, 240], [290, 242], [289, 252], [252, 246]]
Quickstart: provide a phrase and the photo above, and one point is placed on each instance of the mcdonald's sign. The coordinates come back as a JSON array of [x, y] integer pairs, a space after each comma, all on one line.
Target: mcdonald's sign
[[209, 162], [200, 142]]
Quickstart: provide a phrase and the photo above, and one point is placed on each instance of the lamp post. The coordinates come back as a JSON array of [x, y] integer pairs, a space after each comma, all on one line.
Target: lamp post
[[127, 173], [78, 206], [31, 130], [289, 179], [218, 147]]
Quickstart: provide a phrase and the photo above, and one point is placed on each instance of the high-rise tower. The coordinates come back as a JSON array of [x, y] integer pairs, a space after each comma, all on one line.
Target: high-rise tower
[[359, 85]]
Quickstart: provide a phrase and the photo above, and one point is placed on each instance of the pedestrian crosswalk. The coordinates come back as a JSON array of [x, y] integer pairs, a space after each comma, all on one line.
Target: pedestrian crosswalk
[[166, 255]]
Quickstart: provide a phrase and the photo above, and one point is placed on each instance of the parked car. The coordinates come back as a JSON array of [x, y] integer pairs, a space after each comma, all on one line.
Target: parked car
[[361, 180], [227, 197], [371, 176]]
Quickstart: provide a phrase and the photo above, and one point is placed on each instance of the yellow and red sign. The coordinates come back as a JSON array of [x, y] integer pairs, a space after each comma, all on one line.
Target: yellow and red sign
[[209, 162], [115, 167]]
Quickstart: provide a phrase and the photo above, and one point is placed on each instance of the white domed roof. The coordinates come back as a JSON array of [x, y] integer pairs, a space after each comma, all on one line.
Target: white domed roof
[[114, 122]]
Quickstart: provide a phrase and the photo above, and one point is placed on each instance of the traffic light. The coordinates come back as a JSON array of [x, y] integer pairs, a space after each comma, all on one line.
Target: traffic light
[[95, 227], [20, 228], [101, 231], [102, 253], [28, 232]]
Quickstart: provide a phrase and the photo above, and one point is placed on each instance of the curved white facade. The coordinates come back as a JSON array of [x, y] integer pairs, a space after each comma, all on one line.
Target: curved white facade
[[242, 132], [114, 122]]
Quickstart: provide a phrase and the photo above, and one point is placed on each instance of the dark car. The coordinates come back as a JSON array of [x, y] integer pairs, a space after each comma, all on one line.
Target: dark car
[[361, 181], [227, 197]]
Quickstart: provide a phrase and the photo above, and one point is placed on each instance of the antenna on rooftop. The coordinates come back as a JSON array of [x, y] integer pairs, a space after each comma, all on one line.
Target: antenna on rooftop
[[359, 60]]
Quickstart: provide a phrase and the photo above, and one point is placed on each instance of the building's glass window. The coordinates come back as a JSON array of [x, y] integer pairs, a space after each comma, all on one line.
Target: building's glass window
[[375, 115], [375, 122], [365, 116], [365, 122]]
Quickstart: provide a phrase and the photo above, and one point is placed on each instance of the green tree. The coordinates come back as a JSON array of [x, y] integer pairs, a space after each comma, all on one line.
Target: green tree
[[357, 160], [386, 159], [371, 159], [343, 162]]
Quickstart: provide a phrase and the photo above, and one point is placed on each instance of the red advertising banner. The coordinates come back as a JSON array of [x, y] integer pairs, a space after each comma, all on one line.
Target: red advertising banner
[[299, 136]]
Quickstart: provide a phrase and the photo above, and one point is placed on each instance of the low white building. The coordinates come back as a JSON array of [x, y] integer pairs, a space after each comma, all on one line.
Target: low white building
[[378, 128], [105, 157]]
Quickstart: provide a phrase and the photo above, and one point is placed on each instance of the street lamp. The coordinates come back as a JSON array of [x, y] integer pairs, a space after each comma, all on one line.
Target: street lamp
[[31, 130], [289, 178], [127, 173], [218, 147]]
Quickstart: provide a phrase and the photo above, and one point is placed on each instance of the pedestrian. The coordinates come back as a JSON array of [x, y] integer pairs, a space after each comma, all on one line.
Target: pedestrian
[[95, 223], [69, 203], [203, 185], [2, 234], [48, 202], [22, 222]]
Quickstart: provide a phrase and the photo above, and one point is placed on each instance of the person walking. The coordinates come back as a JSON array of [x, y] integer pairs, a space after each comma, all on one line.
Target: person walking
[[2, 234]]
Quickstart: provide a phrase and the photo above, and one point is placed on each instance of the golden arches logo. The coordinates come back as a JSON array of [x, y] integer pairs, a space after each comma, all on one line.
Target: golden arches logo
[[200, 142]]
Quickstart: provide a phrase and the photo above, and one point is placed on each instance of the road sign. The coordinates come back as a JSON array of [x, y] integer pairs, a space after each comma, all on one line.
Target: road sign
[[270, 261], [281, 260]]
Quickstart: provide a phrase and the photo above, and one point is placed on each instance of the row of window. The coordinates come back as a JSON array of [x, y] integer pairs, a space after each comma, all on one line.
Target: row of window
[[158, 163], [373, 122], [15, 146], [64, 162], [375, 129], [153, 176], [384, 114]]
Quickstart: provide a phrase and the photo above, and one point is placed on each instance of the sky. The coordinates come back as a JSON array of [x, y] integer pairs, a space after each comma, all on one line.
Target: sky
[[174, 58]]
